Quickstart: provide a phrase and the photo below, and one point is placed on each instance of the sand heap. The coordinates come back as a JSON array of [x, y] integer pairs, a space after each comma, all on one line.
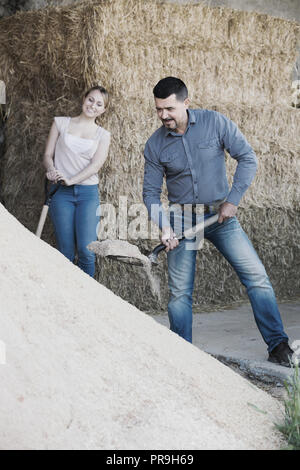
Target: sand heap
[[86, 370]]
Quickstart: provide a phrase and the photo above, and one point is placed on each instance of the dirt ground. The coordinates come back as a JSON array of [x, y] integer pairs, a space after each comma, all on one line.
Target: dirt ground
[[275, 389]]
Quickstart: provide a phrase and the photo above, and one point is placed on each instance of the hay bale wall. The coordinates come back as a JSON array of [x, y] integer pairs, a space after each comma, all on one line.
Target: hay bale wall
[[238, 63]]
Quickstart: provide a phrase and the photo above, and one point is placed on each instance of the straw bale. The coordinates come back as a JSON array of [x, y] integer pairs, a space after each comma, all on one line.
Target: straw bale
[[238, 63], [277, 180], [220, 46]]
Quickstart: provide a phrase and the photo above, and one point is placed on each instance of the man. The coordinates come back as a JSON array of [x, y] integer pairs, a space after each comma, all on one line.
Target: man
[[188, 149]]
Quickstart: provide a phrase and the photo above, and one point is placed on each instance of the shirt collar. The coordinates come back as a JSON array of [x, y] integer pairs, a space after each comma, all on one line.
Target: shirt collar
[[192, 117], [191, 120]]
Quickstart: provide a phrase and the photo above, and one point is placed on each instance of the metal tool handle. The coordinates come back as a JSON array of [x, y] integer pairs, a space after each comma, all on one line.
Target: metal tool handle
[[189, 233], [50, 192], [201, 226]]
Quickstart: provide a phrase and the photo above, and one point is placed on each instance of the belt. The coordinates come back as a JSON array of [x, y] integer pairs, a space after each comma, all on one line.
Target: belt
[[193, 208]]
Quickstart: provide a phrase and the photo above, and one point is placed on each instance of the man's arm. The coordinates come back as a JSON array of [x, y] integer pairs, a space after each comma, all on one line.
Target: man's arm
[[237, 146], [153, 180]]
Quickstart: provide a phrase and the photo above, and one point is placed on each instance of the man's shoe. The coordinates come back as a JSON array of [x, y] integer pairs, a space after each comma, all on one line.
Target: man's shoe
[[282, 354]]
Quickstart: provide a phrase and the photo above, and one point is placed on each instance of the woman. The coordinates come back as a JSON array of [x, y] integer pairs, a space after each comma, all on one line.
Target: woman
[[75, 151]]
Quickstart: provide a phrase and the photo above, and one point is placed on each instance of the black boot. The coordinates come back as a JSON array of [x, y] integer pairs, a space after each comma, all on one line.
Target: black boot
[[282, 354]]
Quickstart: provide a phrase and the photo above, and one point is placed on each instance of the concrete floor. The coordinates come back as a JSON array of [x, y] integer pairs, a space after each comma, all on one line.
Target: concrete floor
[[232, 337]]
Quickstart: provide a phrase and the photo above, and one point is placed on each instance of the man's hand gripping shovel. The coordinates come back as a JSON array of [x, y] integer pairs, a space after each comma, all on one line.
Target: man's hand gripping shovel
[[153, 257]]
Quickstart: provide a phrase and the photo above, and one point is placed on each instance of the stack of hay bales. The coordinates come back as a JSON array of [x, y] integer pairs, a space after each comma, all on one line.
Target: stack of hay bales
[[238, 63]]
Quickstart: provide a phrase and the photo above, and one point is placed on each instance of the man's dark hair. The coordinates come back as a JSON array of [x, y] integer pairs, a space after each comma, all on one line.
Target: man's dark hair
[[168, 86]]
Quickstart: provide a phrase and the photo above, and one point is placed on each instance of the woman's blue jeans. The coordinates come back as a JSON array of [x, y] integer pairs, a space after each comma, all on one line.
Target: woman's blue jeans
[[230, 239], [75, 213]]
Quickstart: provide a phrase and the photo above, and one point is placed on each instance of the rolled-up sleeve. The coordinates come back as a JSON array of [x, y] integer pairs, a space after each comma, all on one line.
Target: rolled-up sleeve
[[238, 148], [153, 180]]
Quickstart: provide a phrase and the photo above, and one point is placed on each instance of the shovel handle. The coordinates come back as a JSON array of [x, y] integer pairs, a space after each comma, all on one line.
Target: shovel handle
[[42, 220], [43, 216], [201, 226], [192, 231], [50, 192]]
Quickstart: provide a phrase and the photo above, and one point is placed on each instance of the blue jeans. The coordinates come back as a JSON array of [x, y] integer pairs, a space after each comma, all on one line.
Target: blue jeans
[[230, 239], [74, 211]]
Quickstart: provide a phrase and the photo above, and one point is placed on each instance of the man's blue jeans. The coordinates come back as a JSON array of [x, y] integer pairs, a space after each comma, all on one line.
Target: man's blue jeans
[[230, 239], [75, 213]]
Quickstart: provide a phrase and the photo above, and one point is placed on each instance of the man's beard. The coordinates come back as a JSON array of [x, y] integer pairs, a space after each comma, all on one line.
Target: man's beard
[[166, 121]]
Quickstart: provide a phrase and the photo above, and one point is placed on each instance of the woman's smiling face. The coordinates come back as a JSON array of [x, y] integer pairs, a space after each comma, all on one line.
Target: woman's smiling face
[[93, 104]]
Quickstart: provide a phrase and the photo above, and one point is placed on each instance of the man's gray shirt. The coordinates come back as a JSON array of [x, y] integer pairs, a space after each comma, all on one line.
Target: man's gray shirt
[[194, 163]]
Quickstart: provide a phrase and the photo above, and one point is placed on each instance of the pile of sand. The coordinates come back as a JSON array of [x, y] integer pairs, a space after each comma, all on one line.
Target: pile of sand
[[123, 252], [86, 370]]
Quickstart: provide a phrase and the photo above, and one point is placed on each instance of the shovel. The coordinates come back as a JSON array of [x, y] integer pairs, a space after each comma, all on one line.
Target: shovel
[[137, 259], [48, 197]]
